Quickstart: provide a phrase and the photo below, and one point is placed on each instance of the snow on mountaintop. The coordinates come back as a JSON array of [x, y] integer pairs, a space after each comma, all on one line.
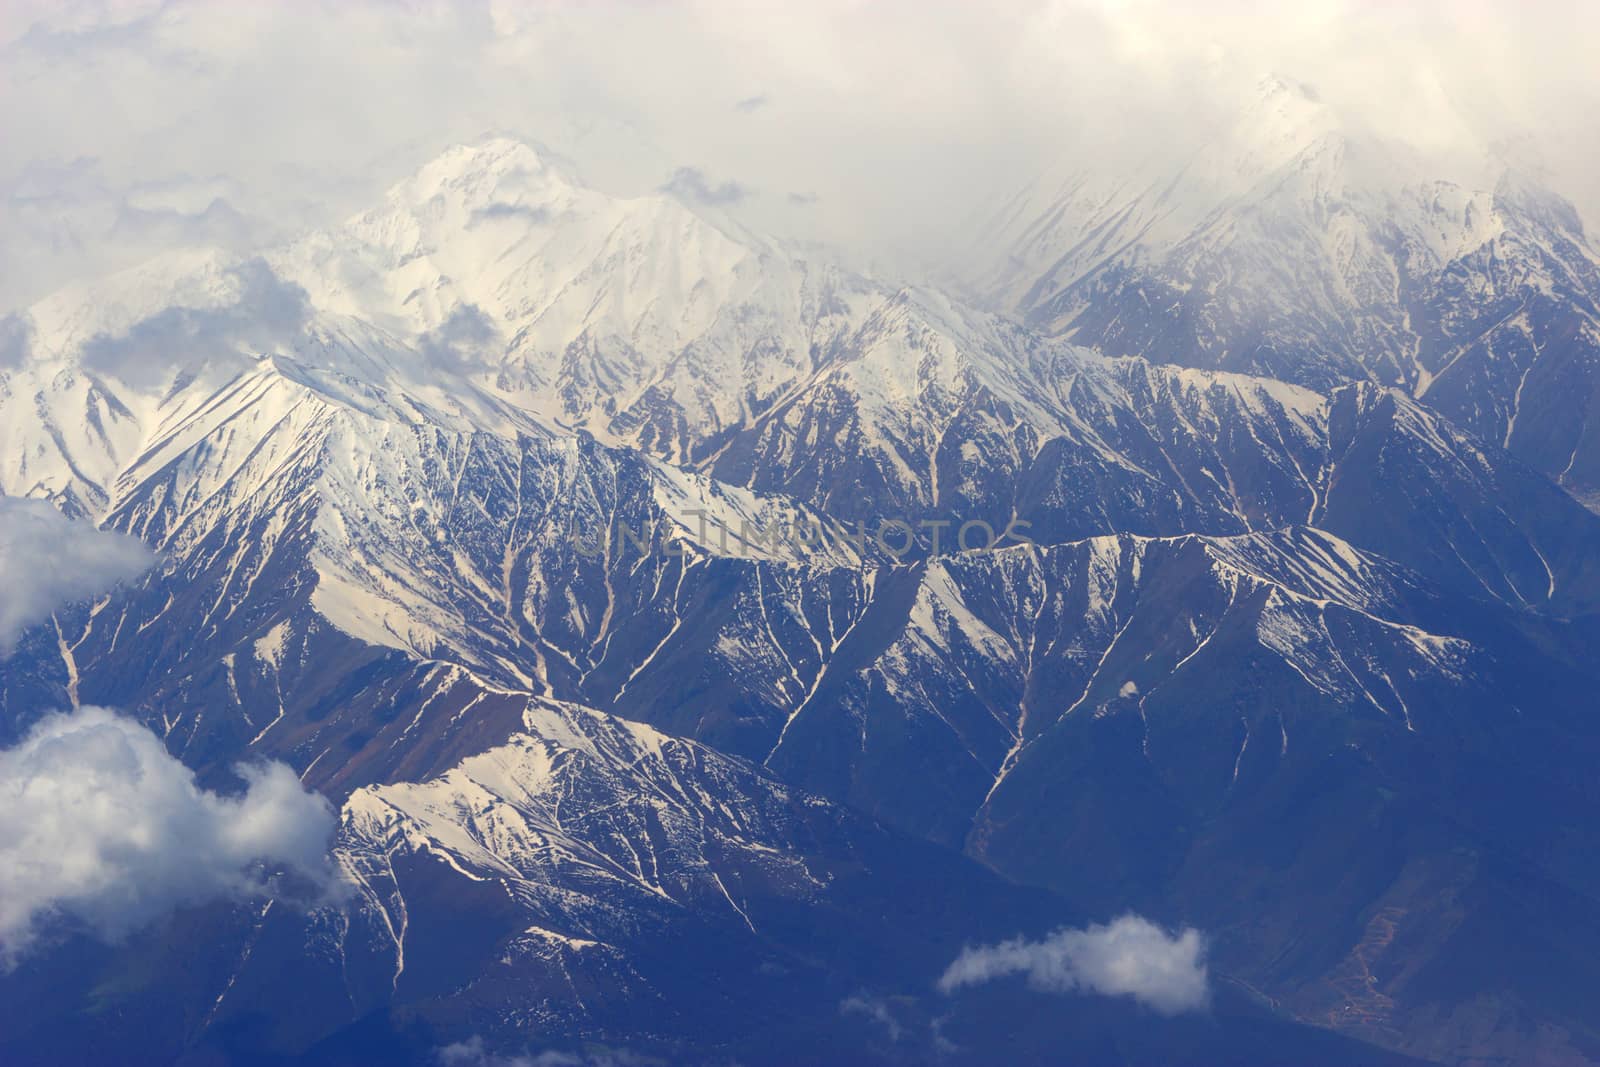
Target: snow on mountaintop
[[492, 258], [491, 296], [1287, 160], [592, 827], [1075, 215], [493, 227], [1293, 245], [499, 813]]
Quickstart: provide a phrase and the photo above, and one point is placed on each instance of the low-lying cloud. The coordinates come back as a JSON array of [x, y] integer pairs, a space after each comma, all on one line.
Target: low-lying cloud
[[691, 183], [47, 560], [99, 824], [532, 214], [875, 1009], [266, 311], [474, 1053], [462, 342], [1129, 956]]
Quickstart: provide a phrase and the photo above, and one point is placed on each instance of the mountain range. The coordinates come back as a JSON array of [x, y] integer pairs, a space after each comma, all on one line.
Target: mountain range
[[1291, 246], [1217, 545]]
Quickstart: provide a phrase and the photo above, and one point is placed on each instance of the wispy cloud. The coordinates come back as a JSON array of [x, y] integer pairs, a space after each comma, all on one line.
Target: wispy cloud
[[876, 1009], [48, 560], [98, 823], [265, 312], [528, 213], [462, 341], [474, 1052], [1129, 956], [691, 183]]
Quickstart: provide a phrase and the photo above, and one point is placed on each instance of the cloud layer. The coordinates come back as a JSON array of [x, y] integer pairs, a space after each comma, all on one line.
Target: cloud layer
[[47, 560], [901, 117], [100, 824], [1129, 956]]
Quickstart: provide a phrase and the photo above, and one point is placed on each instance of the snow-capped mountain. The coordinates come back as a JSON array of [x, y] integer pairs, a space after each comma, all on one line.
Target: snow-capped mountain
[[465, 510], [637, 319], [1293, 246], [913, 406]]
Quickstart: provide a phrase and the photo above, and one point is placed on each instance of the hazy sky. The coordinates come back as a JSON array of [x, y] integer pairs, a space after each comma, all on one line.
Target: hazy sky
[[131, 126]]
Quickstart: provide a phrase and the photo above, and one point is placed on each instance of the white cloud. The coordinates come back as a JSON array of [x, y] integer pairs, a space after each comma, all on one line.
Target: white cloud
[[100, 824], [463, 341], [1129, 956], [47, 560], [876, 1009], [265, 312], [474, 1053], [691, 183]]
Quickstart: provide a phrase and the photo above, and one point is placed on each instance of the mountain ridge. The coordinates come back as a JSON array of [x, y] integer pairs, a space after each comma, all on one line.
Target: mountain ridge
[[381, 565]]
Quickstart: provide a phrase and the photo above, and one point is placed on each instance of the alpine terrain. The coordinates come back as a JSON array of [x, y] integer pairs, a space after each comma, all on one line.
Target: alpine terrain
[[710, 653]]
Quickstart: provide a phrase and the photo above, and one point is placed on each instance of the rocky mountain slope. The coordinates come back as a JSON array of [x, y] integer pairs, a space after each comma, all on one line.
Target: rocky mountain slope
[[495, 513], [1295, 246]]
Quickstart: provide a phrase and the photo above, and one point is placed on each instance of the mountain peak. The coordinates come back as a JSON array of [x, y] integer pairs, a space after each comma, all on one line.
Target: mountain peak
[[1280, 121], [492, 155], [1280, 86], [499, 170], [1522, 191]]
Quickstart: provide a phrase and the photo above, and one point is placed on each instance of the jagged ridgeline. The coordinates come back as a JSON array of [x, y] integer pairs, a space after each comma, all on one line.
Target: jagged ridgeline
[[486, 512]]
